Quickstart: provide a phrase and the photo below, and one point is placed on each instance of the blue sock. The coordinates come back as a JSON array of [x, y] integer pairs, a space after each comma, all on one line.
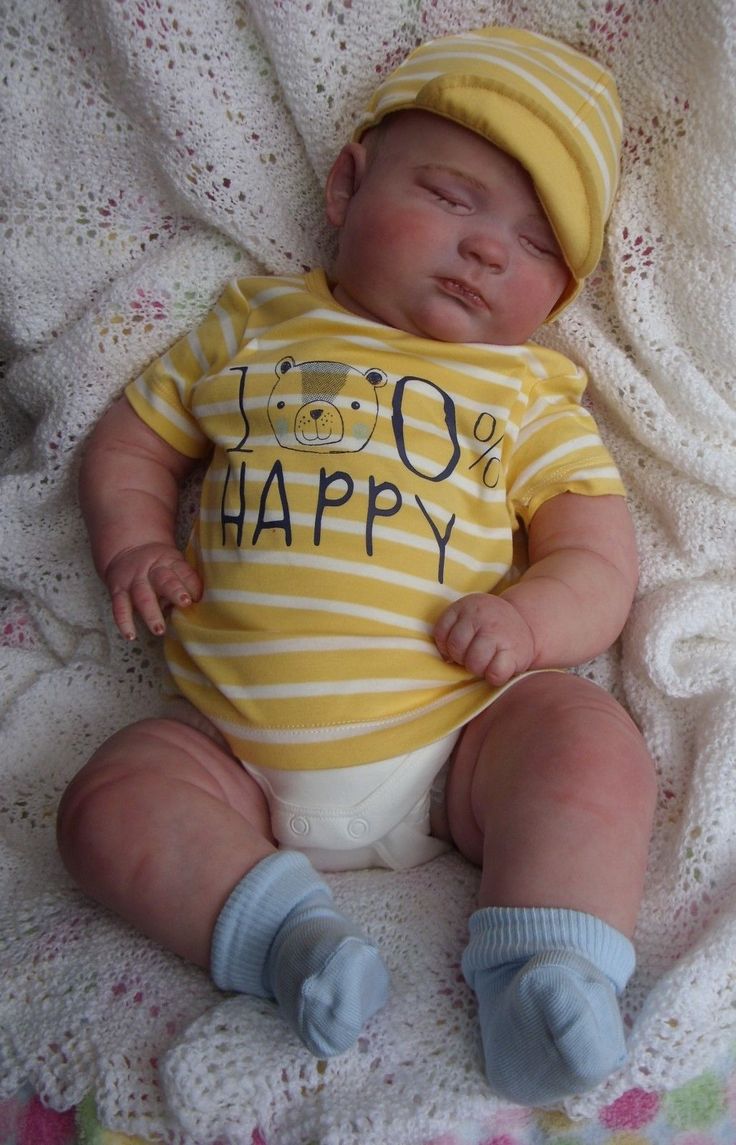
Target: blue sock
[[547, 983], [280, 936]]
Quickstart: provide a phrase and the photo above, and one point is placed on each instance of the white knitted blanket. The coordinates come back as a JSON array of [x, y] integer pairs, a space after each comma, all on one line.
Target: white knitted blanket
[[152, 149]]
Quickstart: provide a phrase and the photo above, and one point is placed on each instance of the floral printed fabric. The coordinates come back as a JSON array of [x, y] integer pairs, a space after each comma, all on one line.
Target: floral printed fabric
[[702, 1112]]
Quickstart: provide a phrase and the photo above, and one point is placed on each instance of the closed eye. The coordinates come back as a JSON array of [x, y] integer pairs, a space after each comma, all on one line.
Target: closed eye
[[451, 201], [544, 247], [449, 197]]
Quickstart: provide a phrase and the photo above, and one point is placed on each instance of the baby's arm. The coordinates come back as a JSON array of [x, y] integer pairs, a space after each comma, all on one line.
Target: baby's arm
[[571, 603], [129, 483]]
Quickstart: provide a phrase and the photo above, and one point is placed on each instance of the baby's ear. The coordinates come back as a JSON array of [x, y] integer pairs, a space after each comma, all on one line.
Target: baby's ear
[[346, 175]]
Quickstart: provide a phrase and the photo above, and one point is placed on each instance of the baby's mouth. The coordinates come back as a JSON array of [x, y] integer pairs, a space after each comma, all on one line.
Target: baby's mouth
[[466, 293]]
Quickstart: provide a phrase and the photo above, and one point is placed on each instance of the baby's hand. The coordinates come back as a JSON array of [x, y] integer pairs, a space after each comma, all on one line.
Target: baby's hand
[[146, 578], [486, 635]]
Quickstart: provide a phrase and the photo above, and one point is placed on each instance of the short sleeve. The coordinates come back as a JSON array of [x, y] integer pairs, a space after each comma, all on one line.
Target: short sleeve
[[558, 448], [162, 395]]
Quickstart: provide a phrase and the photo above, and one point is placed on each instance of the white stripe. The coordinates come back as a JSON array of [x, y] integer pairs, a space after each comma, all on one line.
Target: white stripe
[[596, 473], [562, 57], [317, 314], [546, 403], [382, 345], [533, 363], [565, 59], [541, 87], [534, 427], [330, 734], [225, 408], [281, 288], [257, 405], [394, 535], [326, 688], [550, 458], [180, 381], [501, 412], [472, 370], [541, 407], [169, 413], [196, 347], [226, 326], [438, 512], [316, 604], [297, 644], [333, 566], [589, 473], [427, 465], [574, 121]]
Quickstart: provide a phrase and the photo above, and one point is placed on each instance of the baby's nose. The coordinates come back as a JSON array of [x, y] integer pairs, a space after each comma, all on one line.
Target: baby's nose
[[486, 247]]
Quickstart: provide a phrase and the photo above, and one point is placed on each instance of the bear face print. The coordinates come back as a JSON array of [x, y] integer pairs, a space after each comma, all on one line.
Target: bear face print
[[327, 407]]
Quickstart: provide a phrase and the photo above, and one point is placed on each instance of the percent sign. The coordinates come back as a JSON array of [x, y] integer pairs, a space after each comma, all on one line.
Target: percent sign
[[484, 431]]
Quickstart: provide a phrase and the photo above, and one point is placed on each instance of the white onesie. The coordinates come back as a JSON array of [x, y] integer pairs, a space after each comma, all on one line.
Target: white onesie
[[348, 818]]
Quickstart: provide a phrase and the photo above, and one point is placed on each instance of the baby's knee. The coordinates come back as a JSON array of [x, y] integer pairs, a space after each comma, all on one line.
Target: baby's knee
[[558, 731], [593, 738], [100, 793]]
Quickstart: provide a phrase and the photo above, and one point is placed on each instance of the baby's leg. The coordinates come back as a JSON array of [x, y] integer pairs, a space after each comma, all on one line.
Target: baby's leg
[[552, 793], [165, 827]]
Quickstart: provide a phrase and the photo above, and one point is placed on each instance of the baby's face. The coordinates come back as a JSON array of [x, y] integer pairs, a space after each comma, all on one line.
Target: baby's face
[[442, 235]]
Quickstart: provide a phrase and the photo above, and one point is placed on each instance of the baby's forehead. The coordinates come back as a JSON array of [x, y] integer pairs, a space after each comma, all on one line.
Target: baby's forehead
[[425, 141], [427, 130]]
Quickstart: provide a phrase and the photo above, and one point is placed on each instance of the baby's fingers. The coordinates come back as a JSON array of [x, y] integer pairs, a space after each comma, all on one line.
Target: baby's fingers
[[146, 603], [176, 584], [453, 633], [442, 630], [122, 612], [502, 667]]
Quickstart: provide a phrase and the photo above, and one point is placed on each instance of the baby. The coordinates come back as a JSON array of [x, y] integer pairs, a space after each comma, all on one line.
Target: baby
[[364, 676]]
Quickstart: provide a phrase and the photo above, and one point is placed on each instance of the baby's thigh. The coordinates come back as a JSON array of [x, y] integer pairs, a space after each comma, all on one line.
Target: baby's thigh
[[161, 754]]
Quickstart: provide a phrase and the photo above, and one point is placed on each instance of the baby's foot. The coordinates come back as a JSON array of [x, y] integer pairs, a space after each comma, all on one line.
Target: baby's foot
[[327, 978], [550, 1028], [280, 936], [550, 1020]]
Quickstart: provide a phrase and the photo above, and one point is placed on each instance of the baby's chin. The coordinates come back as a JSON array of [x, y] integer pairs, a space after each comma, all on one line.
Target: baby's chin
[[439, 319], [447, 320]]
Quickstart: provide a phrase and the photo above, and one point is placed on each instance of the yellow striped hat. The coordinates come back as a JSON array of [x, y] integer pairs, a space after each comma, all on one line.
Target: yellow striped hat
[[553, 109]]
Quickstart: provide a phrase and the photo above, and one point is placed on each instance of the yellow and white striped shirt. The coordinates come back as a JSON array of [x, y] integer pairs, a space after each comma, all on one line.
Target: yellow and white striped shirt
[[360, 480]]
